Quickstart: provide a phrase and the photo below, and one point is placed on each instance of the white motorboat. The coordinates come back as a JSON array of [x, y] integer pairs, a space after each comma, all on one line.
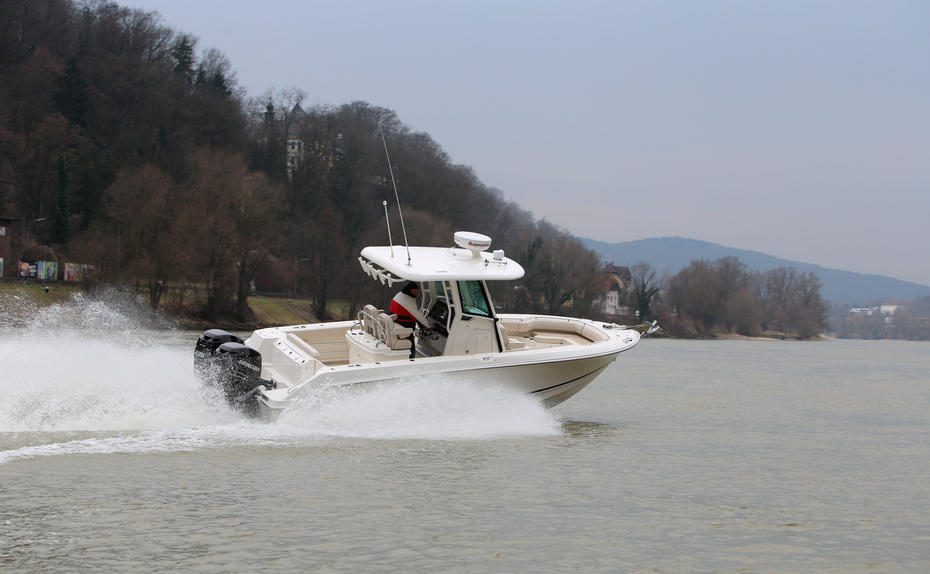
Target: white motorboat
[[549, 357]]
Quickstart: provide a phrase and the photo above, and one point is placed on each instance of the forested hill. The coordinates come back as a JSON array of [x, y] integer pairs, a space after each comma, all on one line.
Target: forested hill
[[839, 287], [127, 146]]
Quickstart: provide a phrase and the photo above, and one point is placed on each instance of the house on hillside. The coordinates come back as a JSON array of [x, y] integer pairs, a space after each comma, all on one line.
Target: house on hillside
[[867, 311], [618, 279], [295, 145], [890, 307], [886, 310]]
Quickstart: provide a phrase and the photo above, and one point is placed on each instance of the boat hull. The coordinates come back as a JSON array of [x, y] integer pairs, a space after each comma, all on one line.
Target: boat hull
[[550, 375]]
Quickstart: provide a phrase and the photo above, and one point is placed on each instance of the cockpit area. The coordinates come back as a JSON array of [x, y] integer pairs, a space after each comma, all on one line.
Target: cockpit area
[[461, 319]]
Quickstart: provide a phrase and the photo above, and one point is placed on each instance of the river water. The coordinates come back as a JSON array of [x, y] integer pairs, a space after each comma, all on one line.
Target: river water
[[684, 456]]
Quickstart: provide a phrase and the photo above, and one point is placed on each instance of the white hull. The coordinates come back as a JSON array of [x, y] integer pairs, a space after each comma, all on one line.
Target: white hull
[[550, 373]]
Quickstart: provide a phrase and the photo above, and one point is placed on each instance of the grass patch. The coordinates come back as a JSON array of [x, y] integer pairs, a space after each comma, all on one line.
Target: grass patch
[[269, 311], [281, 311], [35, 291]]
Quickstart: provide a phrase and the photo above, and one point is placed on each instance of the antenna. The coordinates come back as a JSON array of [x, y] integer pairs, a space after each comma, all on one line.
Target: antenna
[[394, 183], [388, 221]]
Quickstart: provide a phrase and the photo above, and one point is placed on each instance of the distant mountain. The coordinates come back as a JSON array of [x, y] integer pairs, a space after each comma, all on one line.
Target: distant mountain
[[839, 287]]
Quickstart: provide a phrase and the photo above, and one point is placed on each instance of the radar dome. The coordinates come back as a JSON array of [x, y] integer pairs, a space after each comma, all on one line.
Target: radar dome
[[474, 242]]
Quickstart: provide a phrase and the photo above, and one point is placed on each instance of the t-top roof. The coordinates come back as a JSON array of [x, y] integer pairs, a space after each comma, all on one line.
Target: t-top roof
[[391, 264]]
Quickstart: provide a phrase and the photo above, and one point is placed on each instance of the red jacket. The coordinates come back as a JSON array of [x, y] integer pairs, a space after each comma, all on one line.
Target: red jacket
[[403, 315], [408, 314]]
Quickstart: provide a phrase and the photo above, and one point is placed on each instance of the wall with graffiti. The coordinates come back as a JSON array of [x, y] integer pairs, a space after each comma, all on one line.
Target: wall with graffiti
[[49, 271]]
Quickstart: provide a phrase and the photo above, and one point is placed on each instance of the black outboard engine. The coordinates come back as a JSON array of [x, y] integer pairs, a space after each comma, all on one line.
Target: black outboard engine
[[223, 362], [208, 343]]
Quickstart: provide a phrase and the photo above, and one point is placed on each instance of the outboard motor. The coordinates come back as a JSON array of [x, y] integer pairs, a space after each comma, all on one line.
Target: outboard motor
[[206, 347], [240, 370], [223, 362]]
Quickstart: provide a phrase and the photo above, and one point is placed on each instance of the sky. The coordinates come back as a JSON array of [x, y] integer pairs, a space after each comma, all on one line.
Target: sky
[[798, 128]]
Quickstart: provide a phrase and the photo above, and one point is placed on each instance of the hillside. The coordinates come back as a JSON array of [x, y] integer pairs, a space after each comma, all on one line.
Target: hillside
[[133, 153], [839, 287]]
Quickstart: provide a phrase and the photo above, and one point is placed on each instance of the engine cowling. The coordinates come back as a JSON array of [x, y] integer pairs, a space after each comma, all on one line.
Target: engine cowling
[[209, 342], [224, 363]]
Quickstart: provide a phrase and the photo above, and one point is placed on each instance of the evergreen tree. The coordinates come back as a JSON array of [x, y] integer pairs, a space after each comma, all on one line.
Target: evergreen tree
[[71, 94], [183, 54]]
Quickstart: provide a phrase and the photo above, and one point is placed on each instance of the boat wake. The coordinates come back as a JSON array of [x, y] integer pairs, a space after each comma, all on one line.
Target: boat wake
[[434, 408], [102, 384]]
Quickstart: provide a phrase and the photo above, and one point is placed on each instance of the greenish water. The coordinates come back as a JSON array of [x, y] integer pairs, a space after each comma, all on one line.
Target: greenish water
[[684, 456]]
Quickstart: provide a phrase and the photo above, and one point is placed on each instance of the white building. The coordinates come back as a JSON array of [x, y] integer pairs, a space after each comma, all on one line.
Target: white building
[[618, 279], [889, 308], [862, 311], [295, 154]]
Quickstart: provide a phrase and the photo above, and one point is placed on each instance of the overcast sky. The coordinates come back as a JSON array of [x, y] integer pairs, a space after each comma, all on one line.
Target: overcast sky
[[797, 128]]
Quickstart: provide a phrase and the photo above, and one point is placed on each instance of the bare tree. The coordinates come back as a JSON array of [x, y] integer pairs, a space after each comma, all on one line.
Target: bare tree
[[696, 291], [744, 312], [148, 242], [643, 289], [808, 310]]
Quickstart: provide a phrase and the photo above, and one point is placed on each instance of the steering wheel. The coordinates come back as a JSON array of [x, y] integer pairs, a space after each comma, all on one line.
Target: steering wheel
[[439, 313]]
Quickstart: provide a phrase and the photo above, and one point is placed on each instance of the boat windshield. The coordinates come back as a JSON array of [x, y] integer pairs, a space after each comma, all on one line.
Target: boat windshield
[[474, 299]]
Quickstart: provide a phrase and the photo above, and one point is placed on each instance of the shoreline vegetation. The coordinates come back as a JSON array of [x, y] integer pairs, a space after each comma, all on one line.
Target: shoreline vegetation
[[23, 302]]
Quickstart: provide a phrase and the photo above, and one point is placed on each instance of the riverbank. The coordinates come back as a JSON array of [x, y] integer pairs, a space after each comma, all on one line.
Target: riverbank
[[22, 301], [772, 336]]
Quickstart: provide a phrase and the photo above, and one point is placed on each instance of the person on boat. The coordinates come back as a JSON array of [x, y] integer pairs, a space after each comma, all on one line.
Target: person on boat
[[404, 305]]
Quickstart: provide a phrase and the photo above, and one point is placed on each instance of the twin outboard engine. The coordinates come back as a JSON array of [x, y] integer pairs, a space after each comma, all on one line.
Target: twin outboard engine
[[223, 362], [207, 344]]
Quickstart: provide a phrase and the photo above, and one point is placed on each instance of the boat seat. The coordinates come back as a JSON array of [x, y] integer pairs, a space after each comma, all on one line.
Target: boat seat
[[303, 346], [369, 318], [536, 327], [552, 340], [510, 343], [395, 335]]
